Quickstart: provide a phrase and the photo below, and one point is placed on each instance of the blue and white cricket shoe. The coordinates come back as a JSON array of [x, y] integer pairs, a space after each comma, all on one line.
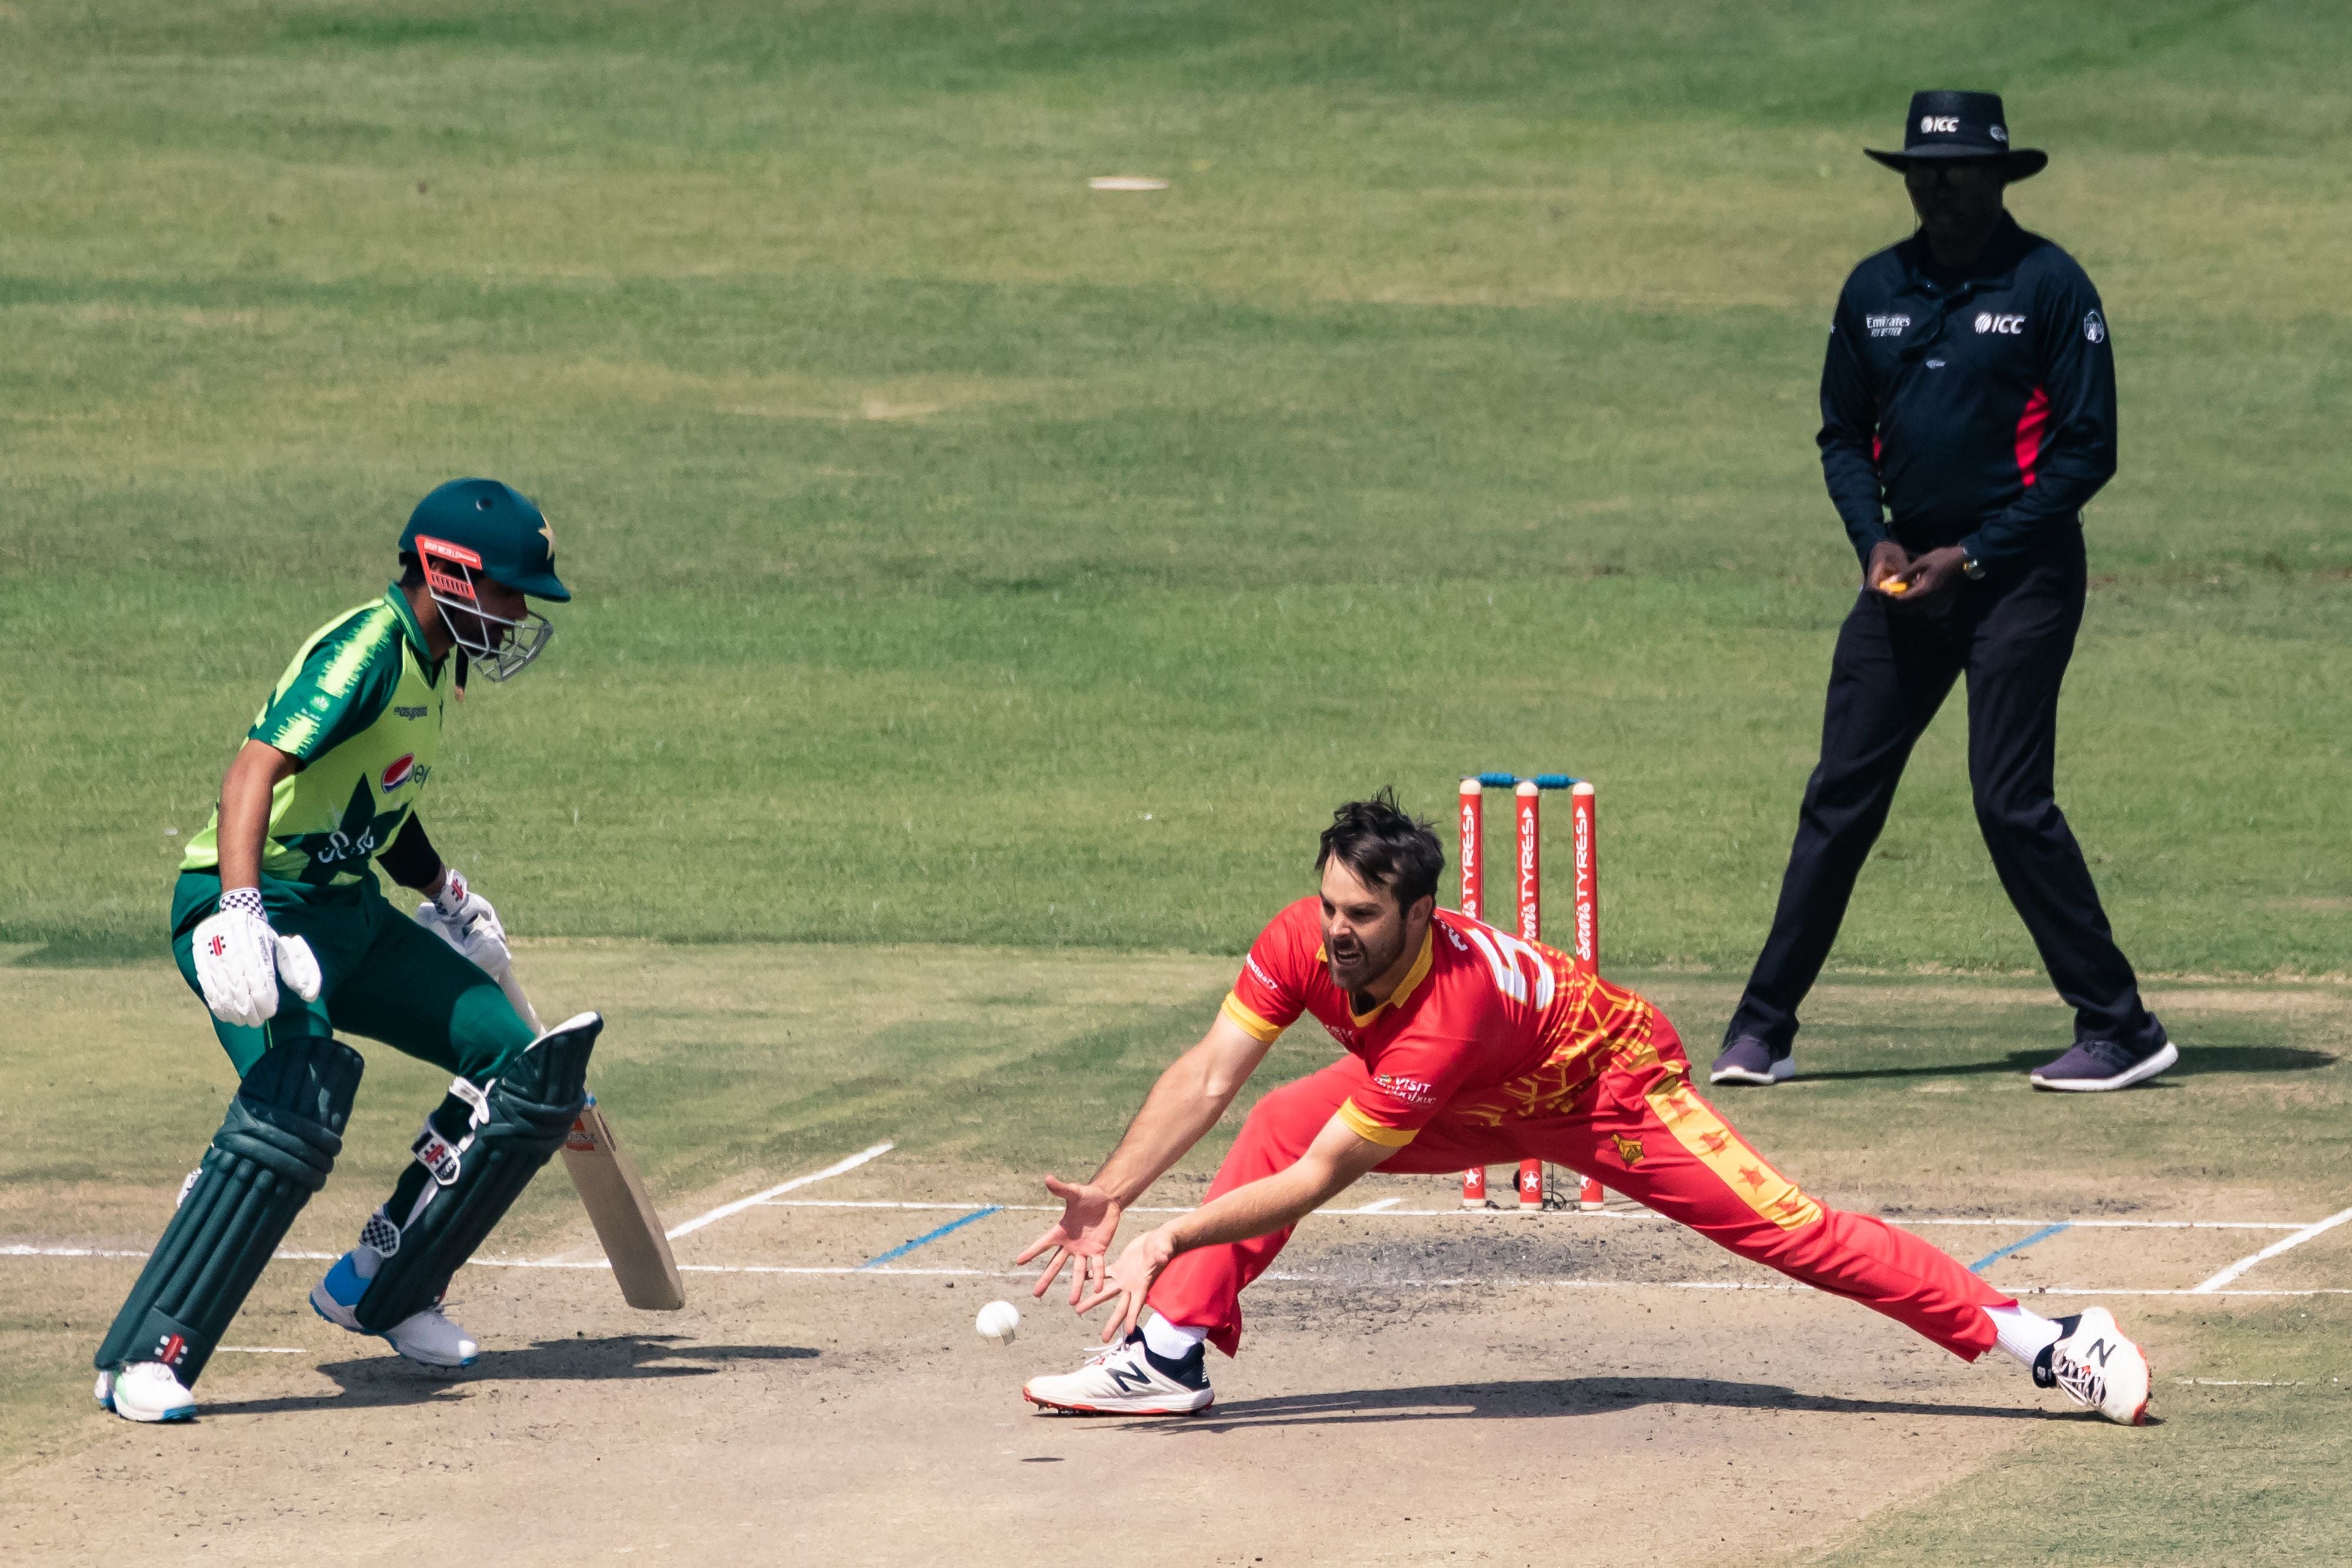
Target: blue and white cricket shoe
[[426, 1338], [145, 1391]]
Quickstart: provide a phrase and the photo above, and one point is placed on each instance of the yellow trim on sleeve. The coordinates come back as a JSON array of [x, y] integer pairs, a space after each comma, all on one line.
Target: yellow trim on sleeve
[[1372, 1132], [1250, 1024]]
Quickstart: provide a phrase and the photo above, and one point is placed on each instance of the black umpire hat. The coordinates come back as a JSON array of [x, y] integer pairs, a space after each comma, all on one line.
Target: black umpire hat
[[1961, 125]]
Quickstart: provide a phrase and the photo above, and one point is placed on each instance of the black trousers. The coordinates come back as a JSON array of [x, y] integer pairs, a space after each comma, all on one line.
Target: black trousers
[[2012, 637]]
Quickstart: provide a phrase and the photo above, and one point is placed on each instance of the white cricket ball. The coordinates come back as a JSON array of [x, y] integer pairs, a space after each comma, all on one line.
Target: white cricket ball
[[997, 1321]]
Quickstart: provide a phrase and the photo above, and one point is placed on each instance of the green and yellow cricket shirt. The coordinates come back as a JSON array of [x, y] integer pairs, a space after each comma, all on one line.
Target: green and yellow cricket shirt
[[360, 708]]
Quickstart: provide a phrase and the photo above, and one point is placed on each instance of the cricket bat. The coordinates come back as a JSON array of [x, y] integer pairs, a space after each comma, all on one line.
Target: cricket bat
[[615, 1195], [623, 1212]]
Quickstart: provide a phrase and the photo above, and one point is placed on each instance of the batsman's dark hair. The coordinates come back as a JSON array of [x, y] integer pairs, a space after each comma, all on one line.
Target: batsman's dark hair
[[412, 570], [1385, 845]]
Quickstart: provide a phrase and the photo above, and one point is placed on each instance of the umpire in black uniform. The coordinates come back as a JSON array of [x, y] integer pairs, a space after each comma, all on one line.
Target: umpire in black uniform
[[1970, 391]]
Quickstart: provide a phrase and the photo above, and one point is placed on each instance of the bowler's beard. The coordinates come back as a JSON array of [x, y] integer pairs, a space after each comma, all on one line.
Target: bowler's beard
[[1356, 964]]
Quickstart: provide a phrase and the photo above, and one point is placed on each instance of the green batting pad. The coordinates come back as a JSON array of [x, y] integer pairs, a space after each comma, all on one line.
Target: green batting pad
[[470, 1179], [282, 1135]]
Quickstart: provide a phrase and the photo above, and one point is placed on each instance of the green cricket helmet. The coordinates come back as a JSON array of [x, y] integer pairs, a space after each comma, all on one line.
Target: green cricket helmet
[[469, 529]]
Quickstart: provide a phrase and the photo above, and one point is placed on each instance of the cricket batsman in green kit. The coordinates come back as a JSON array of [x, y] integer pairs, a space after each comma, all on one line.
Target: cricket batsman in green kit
[[279, 923]]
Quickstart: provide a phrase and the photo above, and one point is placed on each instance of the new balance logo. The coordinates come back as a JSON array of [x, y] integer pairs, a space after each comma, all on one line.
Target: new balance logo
[[1130, 1382]]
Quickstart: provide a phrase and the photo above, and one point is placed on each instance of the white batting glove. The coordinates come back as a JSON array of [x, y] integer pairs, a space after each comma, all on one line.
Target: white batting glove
[[464, 919], [240, 960]]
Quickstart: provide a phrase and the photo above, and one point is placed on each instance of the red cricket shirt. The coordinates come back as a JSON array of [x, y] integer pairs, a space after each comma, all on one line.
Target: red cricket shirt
[[1478, 1008]]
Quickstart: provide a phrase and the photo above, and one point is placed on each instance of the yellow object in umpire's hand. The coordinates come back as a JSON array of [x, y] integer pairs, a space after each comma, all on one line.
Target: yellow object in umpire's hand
[[1895, 585]]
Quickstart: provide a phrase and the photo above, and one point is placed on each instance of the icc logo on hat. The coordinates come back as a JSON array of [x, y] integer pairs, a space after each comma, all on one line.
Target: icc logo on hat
[[1961, 127]]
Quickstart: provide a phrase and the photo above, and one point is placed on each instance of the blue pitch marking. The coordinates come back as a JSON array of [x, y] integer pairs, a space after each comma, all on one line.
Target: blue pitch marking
[[1978, 1267], [930, 1235]]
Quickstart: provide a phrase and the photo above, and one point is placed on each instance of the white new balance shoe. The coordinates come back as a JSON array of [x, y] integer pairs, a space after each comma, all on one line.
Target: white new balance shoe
[[426, 1337], [2096, 1367], [145, 1391], [1125, 1380]]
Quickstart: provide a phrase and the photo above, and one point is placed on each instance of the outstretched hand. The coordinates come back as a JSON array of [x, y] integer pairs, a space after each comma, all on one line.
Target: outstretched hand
[[1129, 1281], [1089, 1221]]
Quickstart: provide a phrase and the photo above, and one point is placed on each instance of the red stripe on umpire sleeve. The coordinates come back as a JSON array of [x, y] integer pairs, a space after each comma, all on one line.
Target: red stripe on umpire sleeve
[[2030, 424]]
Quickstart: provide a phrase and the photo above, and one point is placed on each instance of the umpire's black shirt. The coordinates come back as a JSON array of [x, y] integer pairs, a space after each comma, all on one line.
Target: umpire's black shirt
[[1978, 401]]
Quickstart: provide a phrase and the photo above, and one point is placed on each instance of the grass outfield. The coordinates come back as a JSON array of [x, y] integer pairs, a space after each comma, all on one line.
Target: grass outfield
[[967, 556]]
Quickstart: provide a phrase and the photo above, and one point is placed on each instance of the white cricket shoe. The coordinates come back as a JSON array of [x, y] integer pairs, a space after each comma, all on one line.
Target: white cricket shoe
[[2096, 1367], [426, 1337], [1122, 1380], [432, 1339], [145, 1391]]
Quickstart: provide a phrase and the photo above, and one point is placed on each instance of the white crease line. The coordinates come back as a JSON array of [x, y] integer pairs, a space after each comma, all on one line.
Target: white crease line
[[21, 1250], [904, 1204], [1342, 1281], [1457, 1282], [2194, 1290], [741, 1204], [1500, 1280], [2115, 1224], [1382, 1208], [2214, 1284], [2239, 1382], [2302, 1232], [260, 1349]]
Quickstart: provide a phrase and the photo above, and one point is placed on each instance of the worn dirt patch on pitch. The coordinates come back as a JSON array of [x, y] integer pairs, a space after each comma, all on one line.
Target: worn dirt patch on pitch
[[1489, 1386], [819, 1420], [1384, 1410]]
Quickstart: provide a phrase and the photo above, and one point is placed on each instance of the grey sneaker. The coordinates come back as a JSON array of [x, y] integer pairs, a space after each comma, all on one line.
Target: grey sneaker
[[2095, 1065], [1749, 1059]]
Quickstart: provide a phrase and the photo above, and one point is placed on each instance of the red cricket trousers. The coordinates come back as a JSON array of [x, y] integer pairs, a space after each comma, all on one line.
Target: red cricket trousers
[[1637, 1124]]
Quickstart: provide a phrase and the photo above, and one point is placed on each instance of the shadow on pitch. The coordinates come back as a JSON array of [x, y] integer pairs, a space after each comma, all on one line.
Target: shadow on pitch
[[2196, 1062], [386, 1380], [1563, 1396]]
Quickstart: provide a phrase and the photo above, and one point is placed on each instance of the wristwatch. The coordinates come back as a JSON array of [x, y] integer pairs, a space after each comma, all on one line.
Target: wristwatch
[[1972, 568]]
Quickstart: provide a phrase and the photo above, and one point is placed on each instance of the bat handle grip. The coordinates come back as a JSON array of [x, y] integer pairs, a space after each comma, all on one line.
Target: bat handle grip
[[513, 988]]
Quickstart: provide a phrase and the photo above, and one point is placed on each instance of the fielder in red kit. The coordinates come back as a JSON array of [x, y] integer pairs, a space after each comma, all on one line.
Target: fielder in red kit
[[1466, 1046]]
